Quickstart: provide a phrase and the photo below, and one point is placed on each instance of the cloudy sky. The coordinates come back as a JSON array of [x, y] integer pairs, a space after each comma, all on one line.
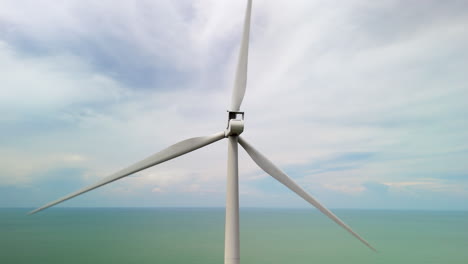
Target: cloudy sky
[[363, 103]]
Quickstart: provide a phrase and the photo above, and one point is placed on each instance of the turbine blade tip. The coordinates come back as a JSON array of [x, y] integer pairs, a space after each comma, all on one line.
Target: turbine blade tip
[[35, 211]]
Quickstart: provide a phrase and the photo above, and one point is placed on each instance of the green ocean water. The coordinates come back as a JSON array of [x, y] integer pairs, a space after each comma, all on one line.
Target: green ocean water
[[150, 235]]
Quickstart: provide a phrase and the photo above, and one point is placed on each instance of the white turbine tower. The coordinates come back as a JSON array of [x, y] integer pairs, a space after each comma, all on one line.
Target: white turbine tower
[[232, 132]]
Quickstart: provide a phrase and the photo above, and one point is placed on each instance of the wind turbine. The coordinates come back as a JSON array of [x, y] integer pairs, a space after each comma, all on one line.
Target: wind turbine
[[232, 133]]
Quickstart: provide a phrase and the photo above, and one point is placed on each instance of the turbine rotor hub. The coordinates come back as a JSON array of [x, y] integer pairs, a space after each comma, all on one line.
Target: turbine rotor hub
[[235, 124]]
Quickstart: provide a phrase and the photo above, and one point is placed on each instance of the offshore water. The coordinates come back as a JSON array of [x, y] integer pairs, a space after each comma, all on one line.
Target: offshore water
[[155, 235]]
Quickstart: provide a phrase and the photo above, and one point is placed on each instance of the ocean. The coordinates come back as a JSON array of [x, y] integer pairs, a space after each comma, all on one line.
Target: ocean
[[196, 235]]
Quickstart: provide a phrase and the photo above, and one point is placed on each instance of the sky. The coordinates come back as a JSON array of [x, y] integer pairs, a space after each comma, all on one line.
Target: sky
[[362, 103]]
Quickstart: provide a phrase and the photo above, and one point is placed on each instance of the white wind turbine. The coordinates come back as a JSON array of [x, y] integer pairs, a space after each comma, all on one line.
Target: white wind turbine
[[232, 132]]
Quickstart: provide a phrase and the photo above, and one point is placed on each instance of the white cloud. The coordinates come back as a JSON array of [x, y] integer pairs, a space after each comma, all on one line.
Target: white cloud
[[49, 83], [323, 81], [18, 165], [345, 188]]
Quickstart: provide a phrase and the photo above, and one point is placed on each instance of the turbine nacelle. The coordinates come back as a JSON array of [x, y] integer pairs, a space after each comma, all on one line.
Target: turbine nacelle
[[235, 123]]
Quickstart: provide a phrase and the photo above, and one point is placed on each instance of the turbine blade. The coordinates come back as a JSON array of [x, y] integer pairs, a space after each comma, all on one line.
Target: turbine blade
[[171, 152], [280, 176], [240, 81]]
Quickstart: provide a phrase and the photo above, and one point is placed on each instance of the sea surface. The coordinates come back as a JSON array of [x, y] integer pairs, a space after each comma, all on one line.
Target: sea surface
[[176, 235]]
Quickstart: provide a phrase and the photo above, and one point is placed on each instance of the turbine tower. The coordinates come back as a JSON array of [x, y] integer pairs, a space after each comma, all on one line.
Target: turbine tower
[[234, 128]]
